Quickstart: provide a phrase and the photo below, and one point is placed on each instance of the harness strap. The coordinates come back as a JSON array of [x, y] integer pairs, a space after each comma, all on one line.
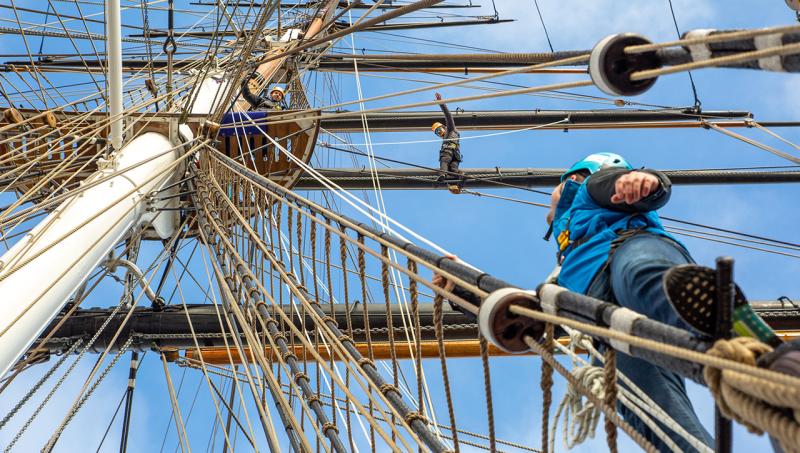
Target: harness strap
[[622, 236]]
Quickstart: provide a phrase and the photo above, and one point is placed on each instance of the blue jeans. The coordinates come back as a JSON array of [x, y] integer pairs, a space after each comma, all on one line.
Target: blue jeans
[[634, 281]]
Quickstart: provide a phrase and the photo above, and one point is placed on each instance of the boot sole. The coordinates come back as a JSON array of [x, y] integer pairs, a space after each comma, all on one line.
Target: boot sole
[[692, 291]]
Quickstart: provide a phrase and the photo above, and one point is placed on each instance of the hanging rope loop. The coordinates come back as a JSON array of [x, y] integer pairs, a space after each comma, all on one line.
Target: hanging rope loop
[[170, 46]]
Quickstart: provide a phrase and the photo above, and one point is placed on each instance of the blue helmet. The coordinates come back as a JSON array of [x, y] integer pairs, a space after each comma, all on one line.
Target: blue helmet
[[594, 162]]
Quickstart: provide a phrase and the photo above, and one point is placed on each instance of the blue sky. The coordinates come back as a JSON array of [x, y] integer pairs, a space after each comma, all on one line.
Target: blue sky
[[504, 238]]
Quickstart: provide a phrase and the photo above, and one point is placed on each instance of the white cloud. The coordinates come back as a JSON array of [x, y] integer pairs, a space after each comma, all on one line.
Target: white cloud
[[579, 24]]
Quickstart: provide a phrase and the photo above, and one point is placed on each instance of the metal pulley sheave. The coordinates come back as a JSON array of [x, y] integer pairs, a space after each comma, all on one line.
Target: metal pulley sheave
[[610, 67], [626, 65]]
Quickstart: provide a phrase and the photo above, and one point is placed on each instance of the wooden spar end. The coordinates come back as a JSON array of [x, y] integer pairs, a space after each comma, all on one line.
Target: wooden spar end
[[380, 351]]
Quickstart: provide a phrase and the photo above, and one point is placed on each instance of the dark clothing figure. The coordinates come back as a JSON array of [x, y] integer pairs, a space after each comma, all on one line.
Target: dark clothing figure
[[260, 102], [450, 153]]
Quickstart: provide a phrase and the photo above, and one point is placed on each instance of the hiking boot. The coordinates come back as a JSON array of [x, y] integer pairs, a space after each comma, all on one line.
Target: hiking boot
[[692, 291]]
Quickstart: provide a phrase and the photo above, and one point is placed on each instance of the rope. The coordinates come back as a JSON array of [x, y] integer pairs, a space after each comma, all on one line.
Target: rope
[[609, 412], [389, 316], [697, 102], [580, 419], [362, 274], [719, 37], [662, 348], [374, 380], [329, 283], [758, 404], [487, 387], [349, 322], [773, 134], [412, 290], [632, 397], [437, 322], [546, 385], [743, 350], [741, 57], [724, 361], [781, 154], [544, 27], [610, 390]]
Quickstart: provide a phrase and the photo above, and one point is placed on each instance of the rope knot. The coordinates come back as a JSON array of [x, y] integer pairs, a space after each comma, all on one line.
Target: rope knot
[[744, 350], [328, 426], [579, 340], [413, 416], [740, 349], [300, 375], [365, 361]]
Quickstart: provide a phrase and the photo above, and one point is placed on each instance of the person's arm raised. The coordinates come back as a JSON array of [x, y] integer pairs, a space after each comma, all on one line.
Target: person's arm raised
[[448, 117]]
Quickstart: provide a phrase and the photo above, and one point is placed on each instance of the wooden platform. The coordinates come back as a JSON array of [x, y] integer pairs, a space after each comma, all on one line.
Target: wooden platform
[[245, 137], [44, 148]]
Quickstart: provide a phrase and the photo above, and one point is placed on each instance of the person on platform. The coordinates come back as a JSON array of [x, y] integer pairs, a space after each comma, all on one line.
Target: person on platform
[[450, 152], [275, 101]]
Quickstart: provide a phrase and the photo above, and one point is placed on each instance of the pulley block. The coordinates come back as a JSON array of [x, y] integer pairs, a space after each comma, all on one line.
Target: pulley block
[[611, 68], [505, 329]]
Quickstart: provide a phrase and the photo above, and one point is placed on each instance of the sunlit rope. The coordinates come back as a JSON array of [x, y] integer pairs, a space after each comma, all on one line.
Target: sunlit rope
[[663, 348], [468, 137], [382, 207], [358, 204], [750, 141], [631, 395], [312, 312], [248, 271]]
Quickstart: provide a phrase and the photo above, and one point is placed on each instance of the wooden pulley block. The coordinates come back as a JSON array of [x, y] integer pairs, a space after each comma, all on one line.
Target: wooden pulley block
[[50, 120], [13, 116], [793, 4], [151, 86]]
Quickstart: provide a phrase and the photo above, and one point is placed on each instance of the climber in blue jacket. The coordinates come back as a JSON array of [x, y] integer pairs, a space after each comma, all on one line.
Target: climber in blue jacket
[[612, 246]]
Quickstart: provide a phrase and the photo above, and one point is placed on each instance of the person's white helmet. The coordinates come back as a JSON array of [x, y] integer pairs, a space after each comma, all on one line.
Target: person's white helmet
[[278, 89]]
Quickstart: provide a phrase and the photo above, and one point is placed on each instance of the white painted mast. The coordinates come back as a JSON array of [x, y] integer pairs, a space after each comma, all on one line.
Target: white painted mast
[[40, 273], [114, 70]]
